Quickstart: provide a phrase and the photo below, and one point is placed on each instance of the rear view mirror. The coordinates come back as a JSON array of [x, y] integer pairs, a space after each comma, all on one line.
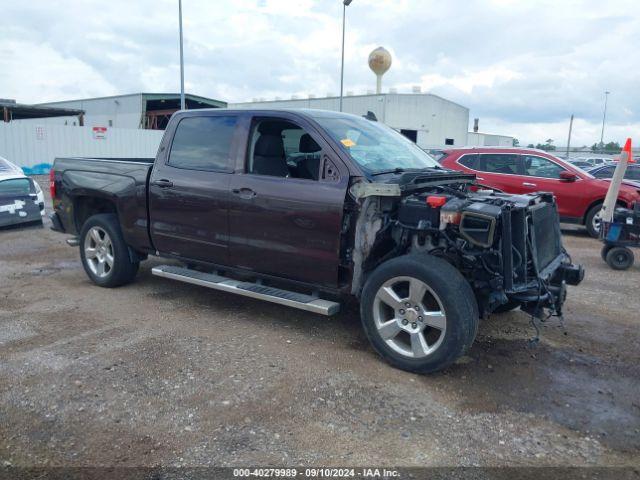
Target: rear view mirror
[[568, 176]]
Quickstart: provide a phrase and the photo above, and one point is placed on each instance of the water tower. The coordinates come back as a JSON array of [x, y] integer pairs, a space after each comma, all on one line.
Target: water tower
[[379, 62]]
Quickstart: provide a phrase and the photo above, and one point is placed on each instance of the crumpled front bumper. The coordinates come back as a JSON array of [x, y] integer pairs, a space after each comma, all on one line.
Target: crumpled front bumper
[[551, 292]]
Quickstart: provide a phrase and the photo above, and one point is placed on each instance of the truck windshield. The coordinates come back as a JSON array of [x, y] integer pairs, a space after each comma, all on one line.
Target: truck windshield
[[374, 146]]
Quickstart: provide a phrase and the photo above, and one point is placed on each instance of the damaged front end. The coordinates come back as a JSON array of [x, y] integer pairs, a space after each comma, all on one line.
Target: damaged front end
[[508, 247]]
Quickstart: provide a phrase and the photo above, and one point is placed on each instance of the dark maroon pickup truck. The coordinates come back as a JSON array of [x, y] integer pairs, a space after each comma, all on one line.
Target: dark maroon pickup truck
[[307, 207]]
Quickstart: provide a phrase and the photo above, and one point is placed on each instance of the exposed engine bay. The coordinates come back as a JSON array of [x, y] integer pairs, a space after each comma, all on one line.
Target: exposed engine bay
[[508, 247]]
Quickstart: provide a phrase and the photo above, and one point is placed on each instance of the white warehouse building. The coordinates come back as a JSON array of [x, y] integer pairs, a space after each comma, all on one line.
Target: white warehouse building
[[149, 111], [428, 120]]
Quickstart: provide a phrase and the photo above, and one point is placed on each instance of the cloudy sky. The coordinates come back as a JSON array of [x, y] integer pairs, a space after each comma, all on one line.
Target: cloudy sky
[[523, 67]]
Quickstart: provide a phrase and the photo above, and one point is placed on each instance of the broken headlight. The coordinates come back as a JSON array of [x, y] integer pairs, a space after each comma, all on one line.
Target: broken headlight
[[478, 223]]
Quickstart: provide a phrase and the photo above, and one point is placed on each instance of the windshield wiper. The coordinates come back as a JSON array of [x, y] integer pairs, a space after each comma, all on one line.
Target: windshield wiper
[[393, 170], [403, 170]]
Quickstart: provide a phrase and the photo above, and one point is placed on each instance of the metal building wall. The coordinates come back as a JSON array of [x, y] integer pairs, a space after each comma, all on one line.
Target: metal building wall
[[434, 118], [34, 147], [124, 111], [476, 139]]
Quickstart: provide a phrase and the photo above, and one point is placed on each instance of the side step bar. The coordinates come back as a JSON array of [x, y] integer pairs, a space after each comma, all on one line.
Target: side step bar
[[248, 289]]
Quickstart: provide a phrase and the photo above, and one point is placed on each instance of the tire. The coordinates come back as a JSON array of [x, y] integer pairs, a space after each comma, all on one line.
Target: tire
[[592, 221], [507, 307], [100, 240], [620, 258], [428, 341], [605, 249]]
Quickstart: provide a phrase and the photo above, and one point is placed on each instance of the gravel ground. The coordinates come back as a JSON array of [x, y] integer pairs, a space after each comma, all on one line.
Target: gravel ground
[[163, 373]]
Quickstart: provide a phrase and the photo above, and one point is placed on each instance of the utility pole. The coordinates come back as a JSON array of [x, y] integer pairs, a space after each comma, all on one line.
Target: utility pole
[[345, 4], [604, 116], [182, 101], [569, 139]]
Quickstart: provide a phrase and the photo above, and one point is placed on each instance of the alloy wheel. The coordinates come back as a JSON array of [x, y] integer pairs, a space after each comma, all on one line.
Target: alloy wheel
[[98, 252], [409, 317]]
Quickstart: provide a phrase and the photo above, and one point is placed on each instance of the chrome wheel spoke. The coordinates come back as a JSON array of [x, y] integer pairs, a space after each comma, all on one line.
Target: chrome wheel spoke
[[109, 259], [95, 235], [419, 345], [390, 329], [435, 319], [417, 290], [90, 252], [100, 268], [388, 296]]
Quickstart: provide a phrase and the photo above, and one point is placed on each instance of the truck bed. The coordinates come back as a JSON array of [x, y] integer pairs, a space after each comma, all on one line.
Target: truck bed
[[120, 181]]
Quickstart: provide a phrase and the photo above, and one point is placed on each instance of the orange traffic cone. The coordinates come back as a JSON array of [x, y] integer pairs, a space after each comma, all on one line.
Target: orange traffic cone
[[627, 150]]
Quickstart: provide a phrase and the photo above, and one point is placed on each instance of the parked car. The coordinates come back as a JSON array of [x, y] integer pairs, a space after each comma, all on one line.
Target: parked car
[[594, 161], [631, 176], [583, 164], [21, 198], [305, 208], [521, 170]]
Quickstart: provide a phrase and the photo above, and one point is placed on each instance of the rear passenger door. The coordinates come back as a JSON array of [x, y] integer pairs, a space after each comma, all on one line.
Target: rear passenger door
[[286, 203], [189, 188], [501, 171]]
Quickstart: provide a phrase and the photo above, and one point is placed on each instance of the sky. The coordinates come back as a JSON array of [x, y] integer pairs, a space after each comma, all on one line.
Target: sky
[[522, 67]]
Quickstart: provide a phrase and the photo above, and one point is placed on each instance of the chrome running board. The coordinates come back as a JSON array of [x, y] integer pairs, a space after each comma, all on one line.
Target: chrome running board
[[248, 289]]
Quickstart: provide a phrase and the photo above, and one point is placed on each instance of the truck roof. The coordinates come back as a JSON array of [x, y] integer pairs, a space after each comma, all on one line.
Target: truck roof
[[307, 112]]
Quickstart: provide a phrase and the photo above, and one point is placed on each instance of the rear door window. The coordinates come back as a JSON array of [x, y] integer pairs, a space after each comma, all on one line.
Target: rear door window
[[499, 163], [203, 143], [15, 187], [469, 161]]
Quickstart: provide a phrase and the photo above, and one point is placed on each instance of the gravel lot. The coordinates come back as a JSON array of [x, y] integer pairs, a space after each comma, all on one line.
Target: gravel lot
[[162, 373]]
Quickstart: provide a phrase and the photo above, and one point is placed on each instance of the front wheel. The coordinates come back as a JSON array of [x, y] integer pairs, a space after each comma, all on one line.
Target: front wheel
[[419, 313], [104, 253], [593, 221]]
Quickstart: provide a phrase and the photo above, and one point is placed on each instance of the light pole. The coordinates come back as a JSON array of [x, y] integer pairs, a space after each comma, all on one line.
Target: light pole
[[604, 116], [182, 102], [345, 4]]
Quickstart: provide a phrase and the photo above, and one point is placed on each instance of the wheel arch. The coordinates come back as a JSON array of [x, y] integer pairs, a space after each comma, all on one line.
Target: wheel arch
[[619, 203], [88, 204]]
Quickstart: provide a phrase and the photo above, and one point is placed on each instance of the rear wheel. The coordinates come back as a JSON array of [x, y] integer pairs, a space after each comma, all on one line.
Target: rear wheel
[[419, 313], [604, 251], [104, 253], [620, 258], [593, 221]]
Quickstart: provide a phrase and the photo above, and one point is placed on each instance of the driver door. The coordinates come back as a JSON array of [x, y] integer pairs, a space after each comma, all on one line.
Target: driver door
[[285, 213]]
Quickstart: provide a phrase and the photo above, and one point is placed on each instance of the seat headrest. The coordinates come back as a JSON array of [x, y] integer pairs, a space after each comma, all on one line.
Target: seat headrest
[[308, 144], [269, 146]]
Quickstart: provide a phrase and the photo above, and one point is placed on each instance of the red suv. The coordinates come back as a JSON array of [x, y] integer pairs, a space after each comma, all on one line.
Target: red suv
[[521, 170]]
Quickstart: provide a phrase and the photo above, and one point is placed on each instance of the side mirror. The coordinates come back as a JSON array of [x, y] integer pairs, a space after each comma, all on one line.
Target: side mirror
[[566, 176]]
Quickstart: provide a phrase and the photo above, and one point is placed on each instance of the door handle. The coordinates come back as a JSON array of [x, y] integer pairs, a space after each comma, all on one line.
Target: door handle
[[527, 184], [162, 183], [245, 193], [479, 178]]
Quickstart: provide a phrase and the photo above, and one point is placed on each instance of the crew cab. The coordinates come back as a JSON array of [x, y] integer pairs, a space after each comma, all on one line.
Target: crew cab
[[521, 170], [306, 208]]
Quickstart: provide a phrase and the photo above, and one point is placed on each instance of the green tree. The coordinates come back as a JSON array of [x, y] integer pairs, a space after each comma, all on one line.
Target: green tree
[[531, 145], [611, 147], [516, 143], [547, 146]]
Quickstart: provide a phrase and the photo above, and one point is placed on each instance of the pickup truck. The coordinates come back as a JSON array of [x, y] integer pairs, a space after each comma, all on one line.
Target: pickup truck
[[307, 208]]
